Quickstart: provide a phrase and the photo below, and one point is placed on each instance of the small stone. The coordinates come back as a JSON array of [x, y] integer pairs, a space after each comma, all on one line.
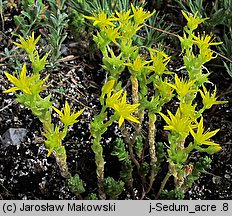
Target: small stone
[[14, 136], [216, 180]]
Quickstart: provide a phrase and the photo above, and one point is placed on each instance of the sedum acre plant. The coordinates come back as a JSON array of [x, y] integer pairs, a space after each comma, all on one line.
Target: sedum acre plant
[[137, 107], [152, 86], [29, 88]]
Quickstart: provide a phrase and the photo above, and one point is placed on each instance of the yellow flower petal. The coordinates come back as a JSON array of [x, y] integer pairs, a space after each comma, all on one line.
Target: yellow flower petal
[[13, 89], [58, 111], [50, 151], [133, 119], [121, 120], [11, 78]]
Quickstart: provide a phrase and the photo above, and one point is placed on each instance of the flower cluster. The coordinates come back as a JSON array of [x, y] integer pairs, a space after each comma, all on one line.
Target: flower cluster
[[30, 88], [151, 85], [150, 89]]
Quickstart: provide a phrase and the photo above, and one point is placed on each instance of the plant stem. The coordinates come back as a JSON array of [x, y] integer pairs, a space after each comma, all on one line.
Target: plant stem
[[135, 88], [78, 195], [130, 142], [138, 126], [99, 160], [126, 136], [2, 17], [140, 113], [61, 162], [152, 150], [98, 150], [163, 183]]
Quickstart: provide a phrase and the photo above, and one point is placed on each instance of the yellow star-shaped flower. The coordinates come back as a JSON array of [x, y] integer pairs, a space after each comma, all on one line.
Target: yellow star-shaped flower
[[193, 21], [23, 83], [201, 137], [210, 99], [28, 44], [67, 117], [102, 20], [140, 15], [121, 107], [177, 123], [125, 110], [182, 87], [204, 40], [124, 17], [138, 65]]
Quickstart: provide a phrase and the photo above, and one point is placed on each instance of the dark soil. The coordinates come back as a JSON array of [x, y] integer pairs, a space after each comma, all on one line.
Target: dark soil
[[27, 173]]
